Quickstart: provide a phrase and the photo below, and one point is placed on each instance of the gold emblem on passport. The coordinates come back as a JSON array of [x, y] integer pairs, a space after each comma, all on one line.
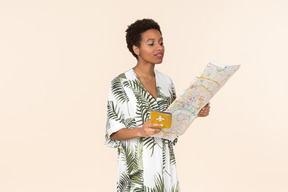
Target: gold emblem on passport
[[161, 118]]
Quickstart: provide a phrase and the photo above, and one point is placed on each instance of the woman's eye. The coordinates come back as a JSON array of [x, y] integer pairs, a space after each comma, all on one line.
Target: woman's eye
[[161, 43], [151, 44]]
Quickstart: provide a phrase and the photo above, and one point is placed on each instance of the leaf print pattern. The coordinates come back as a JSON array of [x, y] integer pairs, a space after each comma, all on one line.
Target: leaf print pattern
[[145, 164]]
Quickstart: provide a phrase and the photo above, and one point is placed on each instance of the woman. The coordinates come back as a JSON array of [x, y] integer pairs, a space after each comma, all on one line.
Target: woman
[[145, 163]]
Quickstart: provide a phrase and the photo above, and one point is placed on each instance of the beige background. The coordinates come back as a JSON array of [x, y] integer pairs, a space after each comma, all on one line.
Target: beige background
[[57, 59]]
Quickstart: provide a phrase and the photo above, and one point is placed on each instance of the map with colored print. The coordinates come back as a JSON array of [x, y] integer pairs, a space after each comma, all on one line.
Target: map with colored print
[[186, 107]]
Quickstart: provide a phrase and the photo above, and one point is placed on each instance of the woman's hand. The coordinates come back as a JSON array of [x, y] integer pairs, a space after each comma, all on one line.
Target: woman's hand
[[204, 112], [146, 130]]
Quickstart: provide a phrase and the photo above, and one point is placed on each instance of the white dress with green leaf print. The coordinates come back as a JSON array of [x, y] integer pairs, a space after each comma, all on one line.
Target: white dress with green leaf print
[[144, 164]]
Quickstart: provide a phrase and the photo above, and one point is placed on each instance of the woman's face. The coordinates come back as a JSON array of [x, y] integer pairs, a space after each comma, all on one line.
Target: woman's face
[[151, 48]]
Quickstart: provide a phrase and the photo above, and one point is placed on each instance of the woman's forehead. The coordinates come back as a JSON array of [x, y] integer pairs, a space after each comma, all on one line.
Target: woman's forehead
[[151, 34]]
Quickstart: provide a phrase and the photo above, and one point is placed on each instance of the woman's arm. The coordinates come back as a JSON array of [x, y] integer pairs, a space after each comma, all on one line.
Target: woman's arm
[[145, 131]]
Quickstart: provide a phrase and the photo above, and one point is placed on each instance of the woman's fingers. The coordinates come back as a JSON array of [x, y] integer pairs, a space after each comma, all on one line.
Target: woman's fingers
[[148, 129], [155, 125], [155, 130], [204, 111], [152, 131]]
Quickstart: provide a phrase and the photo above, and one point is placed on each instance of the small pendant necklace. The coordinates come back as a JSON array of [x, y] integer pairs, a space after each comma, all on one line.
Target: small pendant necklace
[[146, 82]]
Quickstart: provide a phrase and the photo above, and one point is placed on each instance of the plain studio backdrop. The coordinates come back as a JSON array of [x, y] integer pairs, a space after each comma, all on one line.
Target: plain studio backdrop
[[57, 59]]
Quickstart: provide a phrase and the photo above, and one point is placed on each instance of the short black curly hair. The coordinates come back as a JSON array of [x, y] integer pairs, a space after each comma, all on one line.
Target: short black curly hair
[[134, 31]]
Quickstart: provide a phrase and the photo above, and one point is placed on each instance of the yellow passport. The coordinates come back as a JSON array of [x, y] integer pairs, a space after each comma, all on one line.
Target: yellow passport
[[161, 118]]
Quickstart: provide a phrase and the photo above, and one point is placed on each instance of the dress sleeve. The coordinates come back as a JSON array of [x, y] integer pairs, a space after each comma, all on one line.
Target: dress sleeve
[[114, 114]]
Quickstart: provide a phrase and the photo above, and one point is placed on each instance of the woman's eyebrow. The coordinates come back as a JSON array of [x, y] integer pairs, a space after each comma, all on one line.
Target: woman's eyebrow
[[154, 39]]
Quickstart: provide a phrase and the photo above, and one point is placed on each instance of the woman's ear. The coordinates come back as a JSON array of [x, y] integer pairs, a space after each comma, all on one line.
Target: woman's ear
[[135, 49]]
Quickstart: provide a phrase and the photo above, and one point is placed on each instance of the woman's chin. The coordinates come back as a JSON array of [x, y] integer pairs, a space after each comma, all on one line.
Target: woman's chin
[[159, 62]]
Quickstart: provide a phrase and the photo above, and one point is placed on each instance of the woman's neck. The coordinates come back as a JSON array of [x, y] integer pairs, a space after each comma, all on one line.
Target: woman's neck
[[144, 70]]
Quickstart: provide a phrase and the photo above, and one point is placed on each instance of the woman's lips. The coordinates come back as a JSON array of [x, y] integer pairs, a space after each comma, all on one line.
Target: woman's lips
[[159, 55]]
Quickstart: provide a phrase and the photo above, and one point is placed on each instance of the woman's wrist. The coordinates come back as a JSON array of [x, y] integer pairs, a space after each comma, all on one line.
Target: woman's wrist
[[139, 132]]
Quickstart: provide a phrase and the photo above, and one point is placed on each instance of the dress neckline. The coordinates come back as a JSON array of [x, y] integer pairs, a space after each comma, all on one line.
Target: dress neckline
[[141, 84]]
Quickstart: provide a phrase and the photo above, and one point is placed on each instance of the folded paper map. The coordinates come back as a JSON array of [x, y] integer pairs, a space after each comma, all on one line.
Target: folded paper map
[[185, 108], [163, 118]]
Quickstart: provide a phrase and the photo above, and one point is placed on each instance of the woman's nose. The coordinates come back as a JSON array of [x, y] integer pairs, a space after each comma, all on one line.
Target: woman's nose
[[160, 47]]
